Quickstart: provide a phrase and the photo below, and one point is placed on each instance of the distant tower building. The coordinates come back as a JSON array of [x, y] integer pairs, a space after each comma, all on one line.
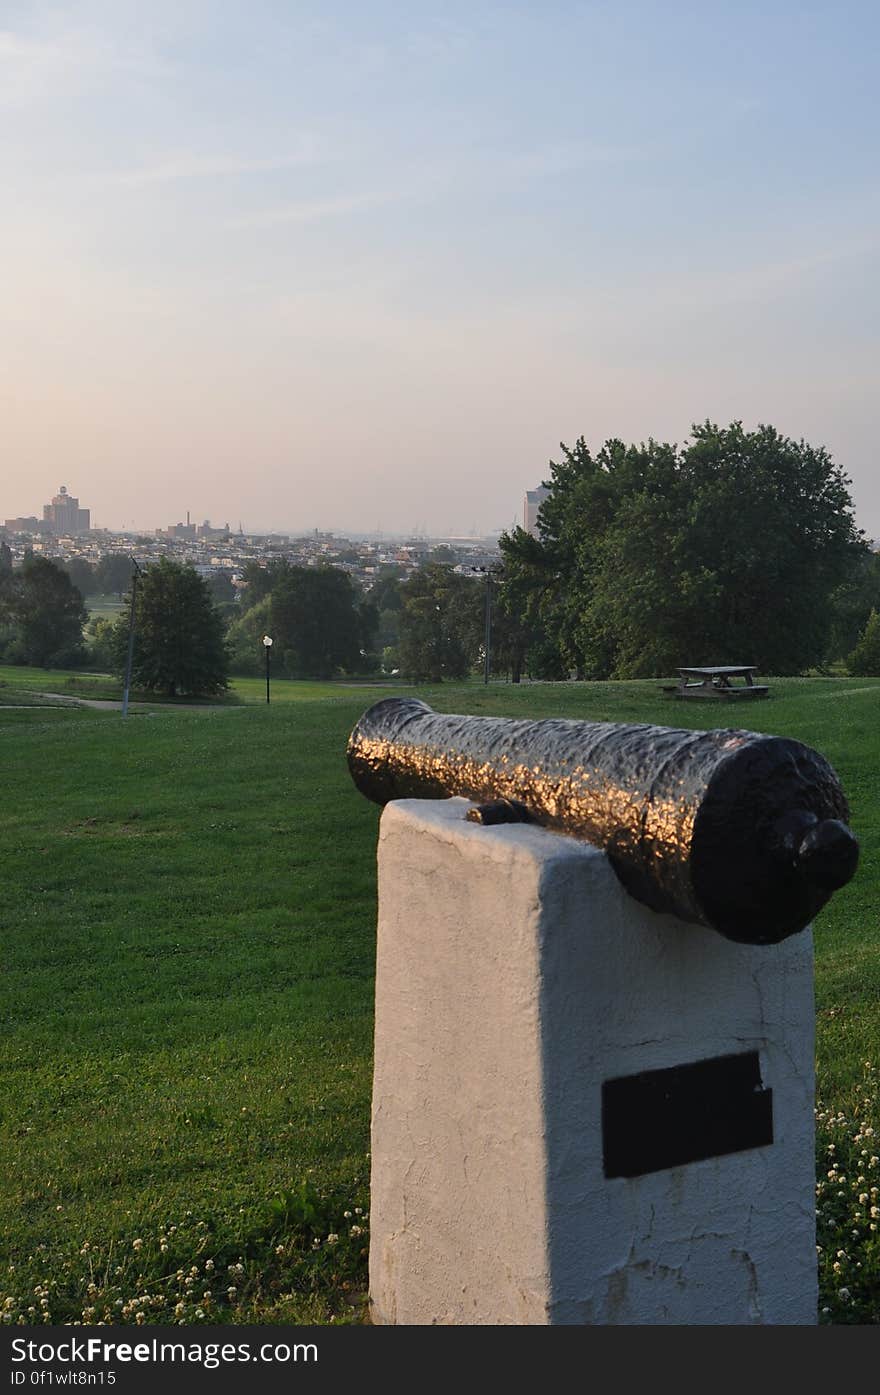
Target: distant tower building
[[65, 516], [534, 500]]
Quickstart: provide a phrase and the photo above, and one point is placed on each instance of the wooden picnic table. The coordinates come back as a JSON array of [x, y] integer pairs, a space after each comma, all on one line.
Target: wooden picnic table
[[715, 682]]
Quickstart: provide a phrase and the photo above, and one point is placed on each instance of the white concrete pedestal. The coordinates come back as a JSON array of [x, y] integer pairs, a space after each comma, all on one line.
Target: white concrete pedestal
[[514, 977]]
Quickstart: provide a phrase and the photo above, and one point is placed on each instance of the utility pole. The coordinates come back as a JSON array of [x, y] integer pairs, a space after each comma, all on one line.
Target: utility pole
[[135, 576], [488, 638]]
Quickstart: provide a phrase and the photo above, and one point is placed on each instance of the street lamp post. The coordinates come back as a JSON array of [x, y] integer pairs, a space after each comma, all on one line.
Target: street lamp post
[[267, 645], [135, 577], [487, 634]]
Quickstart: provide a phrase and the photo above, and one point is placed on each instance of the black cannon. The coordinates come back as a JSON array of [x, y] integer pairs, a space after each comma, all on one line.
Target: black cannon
[[742, 832]]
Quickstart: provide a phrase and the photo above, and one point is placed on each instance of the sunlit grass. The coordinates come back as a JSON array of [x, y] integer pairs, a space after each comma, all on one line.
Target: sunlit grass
[[188, 930]]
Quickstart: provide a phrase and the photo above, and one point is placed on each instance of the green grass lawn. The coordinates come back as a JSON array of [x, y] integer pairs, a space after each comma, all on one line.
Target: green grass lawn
[[107, 607], [21, 684], [188, 936]]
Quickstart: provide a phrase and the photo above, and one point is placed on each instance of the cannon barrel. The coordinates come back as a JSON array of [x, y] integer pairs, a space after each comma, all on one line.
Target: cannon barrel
[[731, 829]]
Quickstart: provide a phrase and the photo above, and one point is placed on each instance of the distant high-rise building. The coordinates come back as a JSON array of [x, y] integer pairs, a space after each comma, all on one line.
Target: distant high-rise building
[[533, 501], [65, 516]]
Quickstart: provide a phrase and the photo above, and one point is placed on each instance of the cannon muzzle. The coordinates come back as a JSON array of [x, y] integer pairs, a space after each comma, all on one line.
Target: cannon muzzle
[[732, 829]]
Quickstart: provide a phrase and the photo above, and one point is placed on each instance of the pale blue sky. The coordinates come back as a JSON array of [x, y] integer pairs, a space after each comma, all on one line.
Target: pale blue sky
[[365, 265]]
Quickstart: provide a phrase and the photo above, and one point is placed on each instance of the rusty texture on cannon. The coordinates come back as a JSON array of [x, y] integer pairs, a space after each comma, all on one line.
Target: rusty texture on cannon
[[731, 829]]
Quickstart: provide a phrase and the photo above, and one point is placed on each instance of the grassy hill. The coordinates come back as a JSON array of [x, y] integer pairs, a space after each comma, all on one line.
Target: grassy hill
[[188, 930]]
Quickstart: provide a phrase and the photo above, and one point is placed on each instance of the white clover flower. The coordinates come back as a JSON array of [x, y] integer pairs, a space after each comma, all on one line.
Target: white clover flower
[[332, 1238], [231, 1291], [137, 1244], [357, 1230], [843, 1295]]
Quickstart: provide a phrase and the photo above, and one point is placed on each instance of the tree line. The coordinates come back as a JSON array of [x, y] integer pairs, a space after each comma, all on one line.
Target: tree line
[[735, 547]]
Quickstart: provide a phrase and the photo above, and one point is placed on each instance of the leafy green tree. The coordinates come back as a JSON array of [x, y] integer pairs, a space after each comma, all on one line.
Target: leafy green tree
[[385, 595], [314, 622], [221, 588], [440, 624], [864, 661], [244, 639], [113, 573], [46, 614], [368, 632], [852, 603], [727, 549], [260, 578], [6, 585], [179, 646], [83, 576], [101, 650]]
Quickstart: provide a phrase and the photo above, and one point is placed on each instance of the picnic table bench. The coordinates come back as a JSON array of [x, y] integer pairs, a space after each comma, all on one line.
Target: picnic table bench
[[715, 682]]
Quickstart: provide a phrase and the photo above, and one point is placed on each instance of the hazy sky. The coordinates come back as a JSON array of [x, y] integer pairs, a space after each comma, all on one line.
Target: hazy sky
[[365, 264]]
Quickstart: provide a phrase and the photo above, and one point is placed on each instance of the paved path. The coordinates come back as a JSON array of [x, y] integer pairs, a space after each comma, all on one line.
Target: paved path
[[115, 705]]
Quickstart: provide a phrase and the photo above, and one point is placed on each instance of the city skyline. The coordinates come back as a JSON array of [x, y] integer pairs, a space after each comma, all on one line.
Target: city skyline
[[364, 269]]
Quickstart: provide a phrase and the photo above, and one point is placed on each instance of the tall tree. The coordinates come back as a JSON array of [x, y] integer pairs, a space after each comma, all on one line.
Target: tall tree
[[47, 615], [651, 556], [113, 573], [179, 646], [83, 575], [260, 577], [6, 582], [864, 661], [440, 624], [385, 595], [851, 605], [314, 622]]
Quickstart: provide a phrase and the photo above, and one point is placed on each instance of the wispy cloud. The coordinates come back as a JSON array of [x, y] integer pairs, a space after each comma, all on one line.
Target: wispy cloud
[[313, 210], [184, 167], [445, 177], [563, 157], [32, 69]]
